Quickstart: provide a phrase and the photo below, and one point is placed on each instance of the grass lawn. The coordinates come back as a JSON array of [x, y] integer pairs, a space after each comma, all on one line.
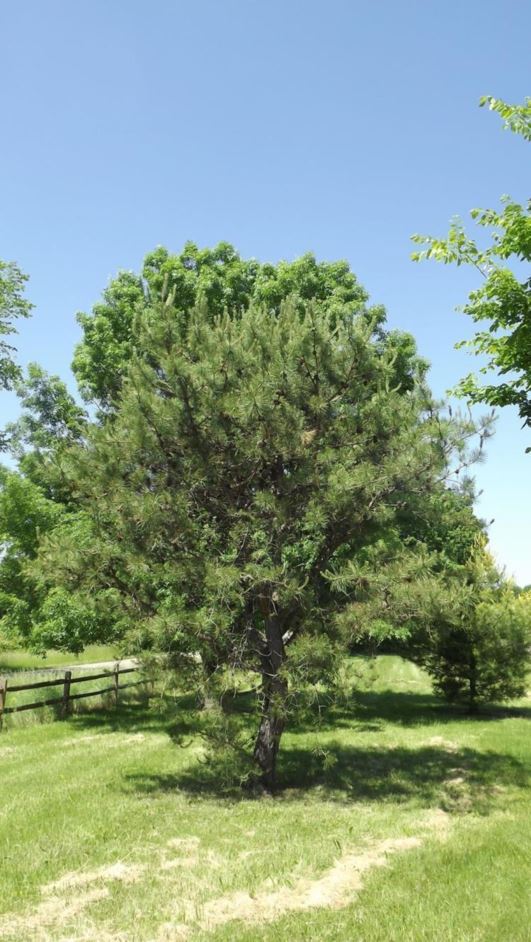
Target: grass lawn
[[21, 660], [419, 829]]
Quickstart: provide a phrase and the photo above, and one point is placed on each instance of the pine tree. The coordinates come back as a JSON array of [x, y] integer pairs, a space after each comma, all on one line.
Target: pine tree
[[249, 460], [478, 642]]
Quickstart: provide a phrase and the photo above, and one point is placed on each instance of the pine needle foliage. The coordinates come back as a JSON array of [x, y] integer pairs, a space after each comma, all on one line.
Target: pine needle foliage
[[249, 459]]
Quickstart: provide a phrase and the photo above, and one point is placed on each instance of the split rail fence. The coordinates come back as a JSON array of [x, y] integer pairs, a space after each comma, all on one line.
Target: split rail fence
[[66, 681]]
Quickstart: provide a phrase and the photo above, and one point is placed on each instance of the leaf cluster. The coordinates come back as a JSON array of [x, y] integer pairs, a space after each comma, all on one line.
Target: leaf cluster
[[503, 300]]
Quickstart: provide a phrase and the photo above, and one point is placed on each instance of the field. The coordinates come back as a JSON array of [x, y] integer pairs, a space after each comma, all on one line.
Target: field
[[21, 660], [14, 663], [402, 820]]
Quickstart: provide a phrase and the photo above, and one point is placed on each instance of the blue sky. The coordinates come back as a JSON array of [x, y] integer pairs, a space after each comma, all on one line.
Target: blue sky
[[339, 127]]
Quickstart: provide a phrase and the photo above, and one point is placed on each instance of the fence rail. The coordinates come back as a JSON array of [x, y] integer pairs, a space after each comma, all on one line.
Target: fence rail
[[66, 681]]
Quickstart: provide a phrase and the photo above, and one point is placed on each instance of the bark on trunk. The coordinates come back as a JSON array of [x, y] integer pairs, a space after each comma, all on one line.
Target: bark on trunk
[[269, 733], [274, 690]]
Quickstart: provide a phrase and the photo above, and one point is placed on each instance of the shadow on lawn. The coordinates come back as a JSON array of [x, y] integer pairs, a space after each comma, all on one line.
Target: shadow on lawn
[[365, 712], [458, 779], [371, 710], [137, 714], [368, 711], [461, 782]]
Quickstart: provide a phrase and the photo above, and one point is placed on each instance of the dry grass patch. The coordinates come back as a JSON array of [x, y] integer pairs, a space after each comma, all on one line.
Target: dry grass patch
[[443, 743], [335, 889]]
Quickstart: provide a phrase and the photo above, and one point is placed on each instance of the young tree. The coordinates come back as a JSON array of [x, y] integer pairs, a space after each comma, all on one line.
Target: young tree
[[503, 301], [461, 621], [477, 645], [249, 459]]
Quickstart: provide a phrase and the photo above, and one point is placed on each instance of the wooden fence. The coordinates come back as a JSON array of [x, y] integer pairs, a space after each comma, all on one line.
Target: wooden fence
[[64, 702]]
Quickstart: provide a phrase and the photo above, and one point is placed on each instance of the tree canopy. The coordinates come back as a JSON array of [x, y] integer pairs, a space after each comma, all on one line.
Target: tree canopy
[[219, 277]]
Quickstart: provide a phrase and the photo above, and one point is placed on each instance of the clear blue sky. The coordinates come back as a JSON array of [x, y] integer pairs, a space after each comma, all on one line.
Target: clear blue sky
[[283, 126]]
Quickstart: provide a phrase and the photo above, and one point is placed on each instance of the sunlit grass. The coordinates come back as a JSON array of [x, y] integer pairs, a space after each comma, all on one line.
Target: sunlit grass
[[127, 785], [14, 664], [20, 659]]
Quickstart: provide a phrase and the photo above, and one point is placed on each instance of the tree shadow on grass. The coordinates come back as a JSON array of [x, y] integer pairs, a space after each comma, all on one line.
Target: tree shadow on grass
[[370, 711], [141, 713], [459, 781], [455, 778]]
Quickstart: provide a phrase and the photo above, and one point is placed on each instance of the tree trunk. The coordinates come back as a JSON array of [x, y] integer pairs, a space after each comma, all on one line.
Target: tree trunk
[[269, 732], [472, 686], [274, 690]]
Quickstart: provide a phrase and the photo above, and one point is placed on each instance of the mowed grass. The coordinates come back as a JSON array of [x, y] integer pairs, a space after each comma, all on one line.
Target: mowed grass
[[399, 820]]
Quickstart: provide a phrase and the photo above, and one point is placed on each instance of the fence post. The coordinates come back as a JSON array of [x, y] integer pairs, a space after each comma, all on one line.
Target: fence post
[[3, 695], [116, 681], [66, 705]]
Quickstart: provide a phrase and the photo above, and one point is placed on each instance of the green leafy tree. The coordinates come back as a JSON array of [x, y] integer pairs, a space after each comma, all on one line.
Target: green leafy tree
[[251, 456], [25, 515], [112, 333], [35, 499], [503, 300], [13, 305], [446, 606], [35, 612], [441, 531], [445, 521], [51, 420], [464, 624]]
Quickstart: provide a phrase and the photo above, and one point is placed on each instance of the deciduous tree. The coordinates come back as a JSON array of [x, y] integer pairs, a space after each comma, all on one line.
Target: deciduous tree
[[112, 332], [13, 305], [503, 301]]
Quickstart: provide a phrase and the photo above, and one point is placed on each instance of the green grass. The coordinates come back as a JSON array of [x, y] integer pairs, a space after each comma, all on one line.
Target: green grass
[[127, 785], [22, 660], [15, 662]]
